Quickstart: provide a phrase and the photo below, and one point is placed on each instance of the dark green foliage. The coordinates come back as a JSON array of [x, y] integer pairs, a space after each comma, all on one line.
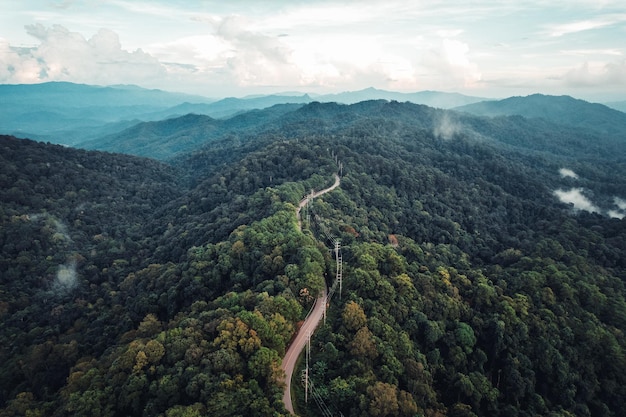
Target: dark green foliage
[[132, 287]]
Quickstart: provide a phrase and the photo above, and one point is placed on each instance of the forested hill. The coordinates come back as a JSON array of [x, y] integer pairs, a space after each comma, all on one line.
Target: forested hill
[[168, 138], [483, 270], [563, 110], [178, 136]]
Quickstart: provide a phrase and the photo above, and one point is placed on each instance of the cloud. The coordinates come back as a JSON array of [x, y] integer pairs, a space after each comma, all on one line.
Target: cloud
[[606, 51], [568, 173], [445, 127], [620, 212], [256, 58], [449, 61], [66, 278], [596, 74], [575, 197], [584, 25], [62, 55]]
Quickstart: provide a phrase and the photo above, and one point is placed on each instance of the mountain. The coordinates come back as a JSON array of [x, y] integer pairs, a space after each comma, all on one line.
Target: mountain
[[558, 109], [481, 265], [176, 136], [229, 107], [71, 95], [68, 113], [430, 98], [617, 105], [167, 138], [63, 112]]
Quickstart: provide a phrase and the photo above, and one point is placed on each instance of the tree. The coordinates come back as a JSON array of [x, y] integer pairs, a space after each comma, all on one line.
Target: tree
[[383, 400], [363, 344], [353, 316]]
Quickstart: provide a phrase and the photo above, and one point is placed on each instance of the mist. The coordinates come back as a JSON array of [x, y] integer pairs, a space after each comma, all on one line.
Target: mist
[[568, 173], [575, 197], [620, 212], [446, 127], [66, 278]]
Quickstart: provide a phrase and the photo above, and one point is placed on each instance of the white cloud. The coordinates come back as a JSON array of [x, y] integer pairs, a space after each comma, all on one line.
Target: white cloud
[[566, 172], [588, 24], [445, 127], [449, 60], [587, 52], [245, 47], [62, 55], [66, 278], [597, 74], [575, 197], [620, 213]]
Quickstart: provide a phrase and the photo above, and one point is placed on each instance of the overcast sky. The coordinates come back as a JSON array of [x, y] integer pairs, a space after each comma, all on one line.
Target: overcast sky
[[239, 47]]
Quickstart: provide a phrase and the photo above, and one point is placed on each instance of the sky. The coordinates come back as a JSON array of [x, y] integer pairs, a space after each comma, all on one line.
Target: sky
[[482, 48]]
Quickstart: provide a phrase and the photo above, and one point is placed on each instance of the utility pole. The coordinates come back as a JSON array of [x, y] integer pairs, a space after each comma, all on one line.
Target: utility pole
[[306, 371], [308, 210], [339, 265]]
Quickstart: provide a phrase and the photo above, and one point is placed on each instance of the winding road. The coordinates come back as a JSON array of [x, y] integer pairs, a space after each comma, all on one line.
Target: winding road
[[312, 320]]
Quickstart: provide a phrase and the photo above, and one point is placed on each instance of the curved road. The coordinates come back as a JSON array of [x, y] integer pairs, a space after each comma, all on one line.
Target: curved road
[[312, 321], [313, 195]]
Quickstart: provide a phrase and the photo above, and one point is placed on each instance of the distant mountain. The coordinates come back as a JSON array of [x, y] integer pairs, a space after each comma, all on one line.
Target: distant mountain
[[177, 136], [71, 95], [165, 139], [230, 106], [617, 105], [67, 113], [563, 110], [430, 98]]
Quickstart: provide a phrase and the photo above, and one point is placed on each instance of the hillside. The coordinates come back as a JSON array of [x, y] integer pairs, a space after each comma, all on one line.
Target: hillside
[[164, 139], [563, 110], [618, 105], [66, 113], [436, 99], [170, 138], [70, 114], [482, 268]]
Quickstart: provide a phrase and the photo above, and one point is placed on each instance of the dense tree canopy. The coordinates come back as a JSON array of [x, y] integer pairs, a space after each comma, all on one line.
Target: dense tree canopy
[[133, 287]]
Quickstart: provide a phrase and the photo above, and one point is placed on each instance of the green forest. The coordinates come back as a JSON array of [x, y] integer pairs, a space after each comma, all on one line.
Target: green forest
[[173, 287]]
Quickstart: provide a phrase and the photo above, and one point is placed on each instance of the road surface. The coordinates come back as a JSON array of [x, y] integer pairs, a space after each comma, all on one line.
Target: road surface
[[312, 321], [311, 196], [289, 361]]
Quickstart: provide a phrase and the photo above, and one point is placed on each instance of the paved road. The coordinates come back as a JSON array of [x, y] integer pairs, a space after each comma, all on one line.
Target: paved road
[[289, 361], [310, 324], [304, 201]]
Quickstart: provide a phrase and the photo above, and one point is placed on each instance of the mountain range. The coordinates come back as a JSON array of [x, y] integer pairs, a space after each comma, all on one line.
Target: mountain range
[[563, 110], [67, 113]]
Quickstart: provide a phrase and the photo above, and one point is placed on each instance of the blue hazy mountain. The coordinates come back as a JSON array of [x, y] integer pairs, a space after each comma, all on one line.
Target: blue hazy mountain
[[429, 98], [68, 113], [564, 110], [617, 105]]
